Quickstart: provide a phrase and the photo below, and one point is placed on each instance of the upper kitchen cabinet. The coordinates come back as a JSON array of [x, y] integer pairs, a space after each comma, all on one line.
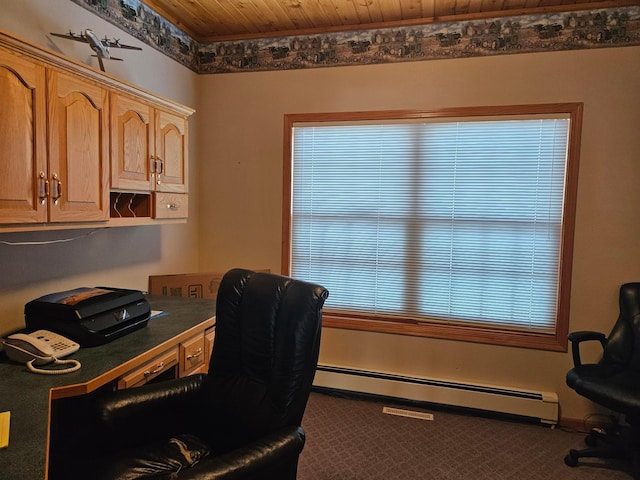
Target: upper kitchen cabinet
[[171, 152], [78, 132], [43, 110], [132, 144], [81, 148], [24, 178], [148, 147]]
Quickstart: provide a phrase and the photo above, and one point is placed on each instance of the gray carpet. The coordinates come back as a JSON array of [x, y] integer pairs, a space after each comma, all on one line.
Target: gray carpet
[[351, 439]]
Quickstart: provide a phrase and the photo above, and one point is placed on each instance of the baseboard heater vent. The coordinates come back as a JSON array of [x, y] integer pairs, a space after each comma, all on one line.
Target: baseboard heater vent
[[524, 403], [401, 412]]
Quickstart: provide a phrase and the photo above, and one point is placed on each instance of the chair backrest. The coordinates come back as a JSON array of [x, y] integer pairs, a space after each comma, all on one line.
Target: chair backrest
[[265, 353], [623, 344]]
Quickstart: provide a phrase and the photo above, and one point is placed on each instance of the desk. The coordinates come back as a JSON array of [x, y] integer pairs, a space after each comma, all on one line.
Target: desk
[[29, 396]]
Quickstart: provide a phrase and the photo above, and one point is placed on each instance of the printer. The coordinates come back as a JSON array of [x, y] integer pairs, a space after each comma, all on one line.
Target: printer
[[89, 315]]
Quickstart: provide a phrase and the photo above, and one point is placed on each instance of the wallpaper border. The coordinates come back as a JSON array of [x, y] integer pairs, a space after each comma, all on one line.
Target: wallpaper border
[[575, 30]]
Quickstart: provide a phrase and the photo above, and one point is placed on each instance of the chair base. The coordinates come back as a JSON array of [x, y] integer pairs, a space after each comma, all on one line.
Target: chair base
[[618, 442]]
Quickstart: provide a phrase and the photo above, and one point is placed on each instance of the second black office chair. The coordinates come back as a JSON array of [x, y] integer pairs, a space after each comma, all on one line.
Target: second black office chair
[[613, 382]]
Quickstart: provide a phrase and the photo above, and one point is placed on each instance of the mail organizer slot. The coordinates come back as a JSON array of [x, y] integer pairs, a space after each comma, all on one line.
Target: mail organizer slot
[[128, 205]]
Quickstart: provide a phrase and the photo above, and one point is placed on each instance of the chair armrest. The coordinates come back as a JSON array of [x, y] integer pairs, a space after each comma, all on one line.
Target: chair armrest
[[138, 414], [583, 336], [267, 458]]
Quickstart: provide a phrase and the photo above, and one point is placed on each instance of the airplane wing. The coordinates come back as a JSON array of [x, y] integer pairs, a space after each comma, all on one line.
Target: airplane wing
[[78, 37], [115, 43]]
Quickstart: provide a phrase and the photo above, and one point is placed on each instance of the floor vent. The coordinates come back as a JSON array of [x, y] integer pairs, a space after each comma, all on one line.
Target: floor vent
[[513, 401], [407, 413]]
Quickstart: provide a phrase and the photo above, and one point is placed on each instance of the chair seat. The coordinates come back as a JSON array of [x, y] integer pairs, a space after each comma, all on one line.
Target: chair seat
[[161, 459], [188, 457], [608, 386]]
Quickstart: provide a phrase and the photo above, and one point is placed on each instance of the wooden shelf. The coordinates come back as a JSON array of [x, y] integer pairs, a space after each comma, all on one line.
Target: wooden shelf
[[130, 205]]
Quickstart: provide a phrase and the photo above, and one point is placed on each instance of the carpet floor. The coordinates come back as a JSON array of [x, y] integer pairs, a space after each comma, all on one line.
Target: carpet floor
[[352, 439]]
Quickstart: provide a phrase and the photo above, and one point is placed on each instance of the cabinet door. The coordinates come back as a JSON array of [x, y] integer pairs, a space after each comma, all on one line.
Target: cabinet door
[[78, 149], [132, 144], [22, 140], [171, 152]]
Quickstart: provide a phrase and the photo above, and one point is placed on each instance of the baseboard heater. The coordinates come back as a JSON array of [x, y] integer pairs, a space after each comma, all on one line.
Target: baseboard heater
[[524, 403]]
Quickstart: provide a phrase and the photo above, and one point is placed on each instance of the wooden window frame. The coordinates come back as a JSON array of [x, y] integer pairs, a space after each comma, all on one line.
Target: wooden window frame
[[556, 341]]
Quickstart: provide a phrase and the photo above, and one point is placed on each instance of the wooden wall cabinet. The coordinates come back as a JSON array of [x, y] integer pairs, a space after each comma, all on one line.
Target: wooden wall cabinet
[[171, 156], [22, 140], [149, 155], [83, 149], [132, 144], [148, 147], [78, 132], [40, 103]]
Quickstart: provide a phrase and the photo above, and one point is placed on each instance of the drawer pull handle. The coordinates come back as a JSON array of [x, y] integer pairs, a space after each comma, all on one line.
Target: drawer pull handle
[[159, 368], [194, 355], [173, 206]]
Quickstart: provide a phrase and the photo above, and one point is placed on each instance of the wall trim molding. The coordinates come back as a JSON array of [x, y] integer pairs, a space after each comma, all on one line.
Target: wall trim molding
[[544, 32], [540, 405]]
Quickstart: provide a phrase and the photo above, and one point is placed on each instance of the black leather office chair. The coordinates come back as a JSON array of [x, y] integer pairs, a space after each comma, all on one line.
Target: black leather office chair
[[613, 382], [242, 419]]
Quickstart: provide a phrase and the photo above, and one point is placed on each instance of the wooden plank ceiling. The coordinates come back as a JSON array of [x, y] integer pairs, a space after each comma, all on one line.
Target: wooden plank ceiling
[[222, 20]]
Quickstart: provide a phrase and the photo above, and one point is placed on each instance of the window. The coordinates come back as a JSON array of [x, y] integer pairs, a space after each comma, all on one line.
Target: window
[[454, 224]]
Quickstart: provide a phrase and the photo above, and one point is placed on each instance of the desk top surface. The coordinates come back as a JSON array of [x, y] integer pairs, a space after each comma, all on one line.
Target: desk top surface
[[27, 395]]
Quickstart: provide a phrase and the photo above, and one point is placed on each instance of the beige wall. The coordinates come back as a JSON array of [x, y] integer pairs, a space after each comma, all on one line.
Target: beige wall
[[236, 183], [122, 257], [241, 115]]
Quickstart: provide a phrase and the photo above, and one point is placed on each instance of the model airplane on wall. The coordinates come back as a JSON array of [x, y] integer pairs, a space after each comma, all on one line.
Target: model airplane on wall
[[101, 47]]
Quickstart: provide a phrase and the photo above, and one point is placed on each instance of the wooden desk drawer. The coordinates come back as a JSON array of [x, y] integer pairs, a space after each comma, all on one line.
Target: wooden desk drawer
[[192, 354], [171, 205], [150, 370]]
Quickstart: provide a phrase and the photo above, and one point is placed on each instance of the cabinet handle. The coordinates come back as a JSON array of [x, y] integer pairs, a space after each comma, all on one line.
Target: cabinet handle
[[43, 188], [159, 169], [159, 368], [194, 355], [56, 188], [173, 206], [153, 164]]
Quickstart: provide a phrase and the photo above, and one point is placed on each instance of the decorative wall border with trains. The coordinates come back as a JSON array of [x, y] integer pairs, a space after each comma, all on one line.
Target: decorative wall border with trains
[[574, 30]]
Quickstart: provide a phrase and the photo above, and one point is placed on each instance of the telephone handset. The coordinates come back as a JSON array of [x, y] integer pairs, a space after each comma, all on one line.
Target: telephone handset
[[40, 348]]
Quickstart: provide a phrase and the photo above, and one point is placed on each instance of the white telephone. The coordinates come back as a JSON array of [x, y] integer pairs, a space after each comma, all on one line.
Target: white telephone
[[40, 348]]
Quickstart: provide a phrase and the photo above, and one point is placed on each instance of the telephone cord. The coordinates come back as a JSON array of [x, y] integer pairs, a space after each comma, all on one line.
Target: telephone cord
[[76, 365]]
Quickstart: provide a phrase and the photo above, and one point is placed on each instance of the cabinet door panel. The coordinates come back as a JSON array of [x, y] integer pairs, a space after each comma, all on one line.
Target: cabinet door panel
[[172, 150], [131, 144], [78, 162], [22, 140]]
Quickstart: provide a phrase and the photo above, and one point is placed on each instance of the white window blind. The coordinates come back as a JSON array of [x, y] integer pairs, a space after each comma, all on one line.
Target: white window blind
[[448, 221]]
